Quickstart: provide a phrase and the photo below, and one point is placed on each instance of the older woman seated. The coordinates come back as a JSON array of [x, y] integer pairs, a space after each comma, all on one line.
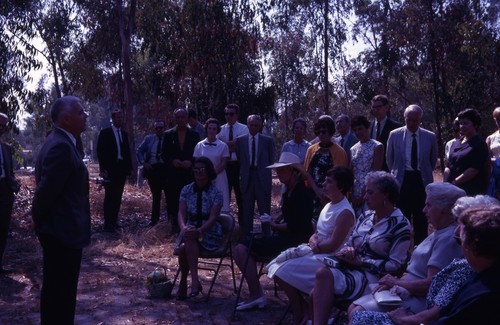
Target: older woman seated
[[432, 255], [295, 228], [379, 245], [199, 205], [334, 225], [444, 286]]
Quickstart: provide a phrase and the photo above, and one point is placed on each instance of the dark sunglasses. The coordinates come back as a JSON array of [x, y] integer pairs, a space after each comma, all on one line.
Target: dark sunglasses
[[229, 113], [199, 170]]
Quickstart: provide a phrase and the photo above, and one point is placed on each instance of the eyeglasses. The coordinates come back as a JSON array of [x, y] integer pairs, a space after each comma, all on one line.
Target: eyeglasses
[[199, 170], [229, 113]]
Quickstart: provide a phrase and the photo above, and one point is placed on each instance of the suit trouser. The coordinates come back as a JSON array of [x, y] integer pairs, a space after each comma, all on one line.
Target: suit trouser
[[411, 203], [6, 203], [233, 181], [253, 193], [157, 181], [113, 199], [61, 269], [177, 179]]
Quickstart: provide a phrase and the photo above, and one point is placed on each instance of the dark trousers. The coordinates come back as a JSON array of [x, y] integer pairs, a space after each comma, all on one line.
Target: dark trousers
[[233, 181], [113, 199], [411, 203], [157, 180], [253, 193], [61, 269], [6, 202], [177, 179]]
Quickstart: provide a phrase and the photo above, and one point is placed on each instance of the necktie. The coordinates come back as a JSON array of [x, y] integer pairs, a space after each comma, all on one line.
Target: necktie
[[120, 154], [414, 159], [158, 150], [378, 130], [230, 139], [253, 151], [342, 142]]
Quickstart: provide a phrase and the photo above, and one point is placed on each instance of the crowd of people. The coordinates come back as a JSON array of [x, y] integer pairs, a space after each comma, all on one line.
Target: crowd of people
[[360, 211]]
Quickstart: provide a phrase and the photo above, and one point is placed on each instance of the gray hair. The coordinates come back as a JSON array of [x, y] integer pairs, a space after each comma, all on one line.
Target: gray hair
[[469, 202], [61, 106], [254, 117], [414, 108], [444, 194], [386, 183]]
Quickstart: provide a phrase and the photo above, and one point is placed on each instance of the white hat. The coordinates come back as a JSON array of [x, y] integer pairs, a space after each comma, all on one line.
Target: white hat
[[286, 159]]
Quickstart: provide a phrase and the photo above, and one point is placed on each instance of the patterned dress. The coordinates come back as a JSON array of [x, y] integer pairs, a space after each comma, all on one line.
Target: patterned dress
[[210, 196], [443, 288], [321, 162], [362, 160]]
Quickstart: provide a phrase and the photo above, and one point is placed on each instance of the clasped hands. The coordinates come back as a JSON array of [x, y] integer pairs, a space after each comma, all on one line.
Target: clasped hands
[[177, 163], [191, 232], [349, 255]]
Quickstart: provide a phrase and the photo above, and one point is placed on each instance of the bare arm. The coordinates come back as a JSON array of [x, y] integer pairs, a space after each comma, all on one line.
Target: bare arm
[[378, 158], [415, 287], [343, 226], [466, 176], [400, 317]]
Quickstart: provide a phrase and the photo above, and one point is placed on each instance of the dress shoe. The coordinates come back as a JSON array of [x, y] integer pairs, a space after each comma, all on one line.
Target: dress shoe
[[247, 305], [5, 271], [196, 292]]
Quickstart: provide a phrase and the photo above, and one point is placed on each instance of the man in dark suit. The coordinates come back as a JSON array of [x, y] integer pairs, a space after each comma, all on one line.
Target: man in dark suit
[[154, 169], [177, 153], [383, 124], [411, 157], [255, 152], [61, 211], [346, 138], [115, 164], [8, 186]]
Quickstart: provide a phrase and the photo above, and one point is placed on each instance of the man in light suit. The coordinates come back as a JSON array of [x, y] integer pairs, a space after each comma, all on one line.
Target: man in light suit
[[8, 186], [61, 211], [383, 124], [115, 165], [154, 168], [346, 138], [411, 157], [255, 152]]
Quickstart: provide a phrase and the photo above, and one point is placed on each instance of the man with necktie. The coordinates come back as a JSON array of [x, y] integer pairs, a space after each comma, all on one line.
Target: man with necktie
[[383, 124], [115, 165], [255, 152], [411, 157], [8, 186], [154, 168], [228, 134], [346, 138], [61, 211]]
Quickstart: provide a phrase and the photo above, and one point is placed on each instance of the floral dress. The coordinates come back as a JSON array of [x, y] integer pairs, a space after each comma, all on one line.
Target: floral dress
[[198, 211], [362, 160], [321, 162], [443, 288]]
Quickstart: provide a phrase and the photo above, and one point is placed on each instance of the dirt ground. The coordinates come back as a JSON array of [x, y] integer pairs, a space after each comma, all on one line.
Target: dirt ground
[[112, 288]]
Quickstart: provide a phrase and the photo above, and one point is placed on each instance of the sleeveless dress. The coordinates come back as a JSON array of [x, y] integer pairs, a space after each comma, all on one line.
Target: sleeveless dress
[[216, 151], [494, 186], [301, 272]]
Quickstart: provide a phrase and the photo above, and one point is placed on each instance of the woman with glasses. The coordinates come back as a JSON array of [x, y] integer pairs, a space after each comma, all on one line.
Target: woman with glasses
[[218, 152], [323, 156], [200, 203]]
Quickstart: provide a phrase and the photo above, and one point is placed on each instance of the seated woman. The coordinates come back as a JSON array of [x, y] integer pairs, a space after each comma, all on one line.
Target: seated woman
[[199, 205], [295, 228], [432, 255], [334, 225], [444, 285], [379, 245]]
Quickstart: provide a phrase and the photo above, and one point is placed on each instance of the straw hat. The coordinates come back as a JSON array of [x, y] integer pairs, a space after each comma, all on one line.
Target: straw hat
[[286, 159]]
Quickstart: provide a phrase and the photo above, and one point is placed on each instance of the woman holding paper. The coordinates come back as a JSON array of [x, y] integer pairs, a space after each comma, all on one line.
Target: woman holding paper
[[432, 255]]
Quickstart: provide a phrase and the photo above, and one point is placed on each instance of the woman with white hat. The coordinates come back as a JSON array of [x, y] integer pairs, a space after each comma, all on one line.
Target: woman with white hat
[[294, 227]]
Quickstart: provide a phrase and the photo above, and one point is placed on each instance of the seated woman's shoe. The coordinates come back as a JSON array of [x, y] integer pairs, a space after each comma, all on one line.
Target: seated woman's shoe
[[196, 292], [246, 305]]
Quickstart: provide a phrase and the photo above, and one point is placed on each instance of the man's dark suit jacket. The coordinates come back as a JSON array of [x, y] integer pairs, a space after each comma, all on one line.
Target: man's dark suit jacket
[[61, 202], [8, 168], [107, 153], [390, 125], [171, 151]]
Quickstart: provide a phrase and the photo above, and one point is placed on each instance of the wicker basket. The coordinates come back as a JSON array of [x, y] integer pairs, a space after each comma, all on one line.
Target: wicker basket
[[159, 286]]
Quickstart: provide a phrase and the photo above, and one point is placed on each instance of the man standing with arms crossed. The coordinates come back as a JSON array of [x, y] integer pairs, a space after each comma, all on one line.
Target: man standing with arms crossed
[[228, 134], [61, 211]]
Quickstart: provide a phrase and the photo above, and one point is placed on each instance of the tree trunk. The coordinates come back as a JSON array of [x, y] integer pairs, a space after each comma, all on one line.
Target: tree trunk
[[326, 44]]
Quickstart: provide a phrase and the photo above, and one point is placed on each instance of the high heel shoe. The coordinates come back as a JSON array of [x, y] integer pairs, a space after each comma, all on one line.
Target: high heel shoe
[[247, 305], [195, 293]]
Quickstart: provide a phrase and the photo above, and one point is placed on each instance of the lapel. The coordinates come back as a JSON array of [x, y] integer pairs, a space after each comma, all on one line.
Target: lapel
[[6, 159], [260, 148]]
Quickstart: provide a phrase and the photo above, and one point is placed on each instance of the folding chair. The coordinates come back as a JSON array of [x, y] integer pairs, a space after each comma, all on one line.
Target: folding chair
[[225, 250]]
